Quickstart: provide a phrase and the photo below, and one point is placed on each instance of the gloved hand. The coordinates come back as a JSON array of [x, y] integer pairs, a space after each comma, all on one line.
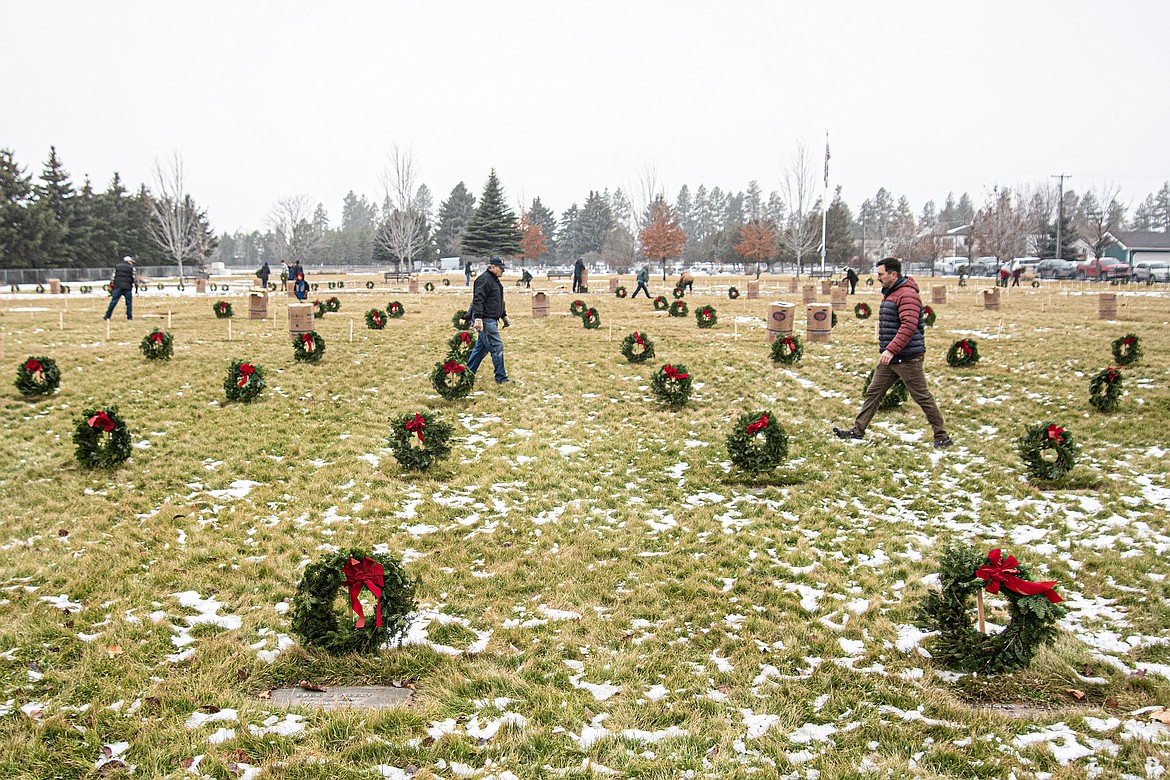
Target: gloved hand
[[478, 325], [507, 322]]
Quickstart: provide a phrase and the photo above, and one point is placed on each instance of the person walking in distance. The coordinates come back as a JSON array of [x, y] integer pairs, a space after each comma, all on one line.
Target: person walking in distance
[[643, 280], [902, 340], [262, 275], [578, 270], [122, 286], [487, 315], [851, 277], [467, 274]]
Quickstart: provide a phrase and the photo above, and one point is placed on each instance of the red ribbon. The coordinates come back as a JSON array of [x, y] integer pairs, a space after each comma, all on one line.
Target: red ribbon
[[758, 425], [789, 344], [929, 311], [1128, 340], [395, 308], [673, 373], [156, 337], [377, 319], [1056, 433], [1113, 375], [465, 337], [101, 420], [223, 305], [417, 425], [963, 345], [641, 342], [307, 340], [1004, 570], [33, 365], [364, 574], [453, 367], [246, 371]]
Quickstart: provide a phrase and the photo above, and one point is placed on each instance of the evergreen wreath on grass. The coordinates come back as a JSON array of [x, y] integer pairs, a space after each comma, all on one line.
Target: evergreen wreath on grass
[[963, 353], [38, 376], [333, 303], [222, 309], [395, 310], [314, 286], [369, 285], [101, 439], [661, 304], [577, 308], [446, 282], [347, 573], [308, 347], [637, 347], [419, 440], [40, 289], [787, 349], [158, 345], [894, 397], [341, 285], [459, 320], [1033, 608], [461, 344], [375, 319], [429, 286], [672, 384], [928, 316], [1105, 390], [733, 292], [1048, 451], [757, 442], [591, 319], [243, 382], [705, 316], [620, 291], [679, 309], [452, 379], [862, 311], [1127, 349], [678, 293], [330, 285], [322, 309]]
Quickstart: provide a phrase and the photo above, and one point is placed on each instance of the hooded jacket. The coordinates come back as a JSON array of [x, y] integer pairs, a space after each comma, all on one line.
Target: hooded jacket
[[901, 324]]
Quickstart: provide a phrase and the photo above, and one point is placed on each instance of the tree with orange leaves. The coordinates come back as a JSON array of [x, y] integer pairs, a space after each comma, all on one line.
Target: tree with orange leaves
[[757, 242], [662, 236], [533, 241]]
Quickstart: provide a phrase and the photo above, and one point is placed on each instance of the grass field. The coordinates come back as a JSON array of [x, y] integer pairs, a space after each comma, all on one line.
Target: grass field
[[603, 595]]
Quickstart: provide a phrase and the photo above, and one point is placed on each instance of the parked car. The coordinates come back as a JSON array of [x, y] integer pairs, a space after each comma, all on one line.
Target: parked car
[[1102, 269], [1150, 271], [982, 266], [1056, 268]]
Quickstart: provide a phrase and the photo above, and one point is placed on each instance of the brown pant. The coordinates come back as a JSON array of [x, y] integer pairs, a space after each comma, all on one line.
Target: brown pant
[[914, 378]]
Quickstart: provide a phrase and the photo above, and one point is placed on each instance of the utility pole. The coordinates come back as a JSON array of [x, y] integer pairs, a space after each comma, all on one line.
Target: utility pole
[[1059, 211]]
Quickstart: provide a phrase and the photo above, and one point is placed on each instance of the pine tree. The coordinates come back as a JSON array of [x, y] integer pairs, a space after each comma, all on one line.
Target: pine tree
[[493, 229], [454, 214], [53, 207], [19, 236], [839, 247], [542, 216], [594, 223], [568, 238]]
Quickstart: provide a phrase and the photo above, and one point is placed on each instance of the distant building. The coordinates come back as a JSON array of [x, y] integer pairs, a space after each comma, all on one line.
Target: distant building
[[1136, 245]]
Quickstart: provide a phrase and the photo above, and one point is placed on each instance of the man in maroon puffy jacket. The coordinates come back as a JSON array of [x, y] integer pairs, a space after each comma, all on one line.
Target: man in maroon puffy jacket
[[902, 340]]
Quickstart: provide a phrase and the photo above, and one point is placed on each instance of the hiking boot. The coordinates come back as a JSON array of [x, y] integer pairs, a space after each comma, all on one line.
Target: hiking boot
[[943, 443], [847, 433]]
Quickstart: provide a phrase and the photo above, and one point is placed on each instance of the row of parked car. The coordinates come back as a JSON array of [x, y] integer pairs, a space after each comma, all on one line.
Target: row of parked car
[[1097, 269]]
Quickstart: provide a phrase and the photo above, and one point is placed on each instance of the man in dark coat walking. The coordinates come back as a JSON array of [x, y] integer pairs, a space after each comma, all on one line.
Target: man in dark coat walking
[[122, 286], [487, 315], [578, 270]]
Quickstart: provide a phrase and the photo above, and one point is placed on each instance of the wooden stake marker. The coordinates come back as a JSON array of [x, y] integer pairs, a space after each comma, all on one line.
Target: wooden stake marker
[[979, 610]]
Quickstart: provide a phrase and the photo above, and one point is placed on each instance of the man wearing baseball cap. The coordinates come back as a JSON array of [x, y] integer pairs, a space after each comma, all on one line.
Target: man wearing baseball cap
[[122, 285], [487, 314]]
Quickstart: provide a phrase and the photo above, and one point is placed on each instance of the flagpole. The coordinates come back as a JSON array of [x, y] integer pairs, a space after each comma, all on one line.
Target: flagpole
[[825, 208]]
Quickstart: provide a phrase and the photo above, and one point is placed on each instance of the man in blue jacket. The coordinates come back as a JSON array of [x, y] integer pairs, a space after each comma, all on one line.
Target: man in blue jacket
[[487, 315], [122, 286], [902, 340]]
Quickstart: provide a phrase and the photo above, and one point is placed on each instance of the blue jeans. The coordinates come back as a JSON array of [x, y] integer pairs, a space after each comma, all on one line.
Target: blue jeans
[[466, 279], [641, 288], [119, 293], [489, 341]]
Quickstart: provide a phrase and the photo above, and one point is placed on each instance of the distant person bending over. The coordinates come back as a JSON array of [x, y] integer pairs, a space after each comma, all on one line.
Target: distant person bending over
[[122, 286], [486, 315], [301, 288], [852, 278], [686, 282], [526, 278], [1003, 276], [643, 280], [1016, 274], [578, 270]]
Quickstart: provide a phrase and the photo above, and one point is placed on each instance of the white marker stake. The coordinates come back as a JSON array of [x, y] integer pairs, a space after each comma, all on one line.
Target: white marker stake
[[979, 610], [168, 318], [229, 328], [351, 331], [107, 330], [61, 319]]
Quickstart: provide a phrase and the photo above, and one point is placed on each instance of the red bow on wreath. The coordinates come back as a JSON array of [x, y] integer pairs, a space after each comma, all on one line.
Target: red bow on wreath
[[453, 367], [307, 340], [101, 420], [963, 345], [465, 337], [1004, 570], [758, 425], [1113, 375], [395, 309], [1128, 340], [1056, 433], [33, 365], [156, 337], [377, 318], [223, 305], [706, 314], [673, 373], [246, 371], [364, 574], [926, 309], [789, 344], [641, 342], [417, 425]]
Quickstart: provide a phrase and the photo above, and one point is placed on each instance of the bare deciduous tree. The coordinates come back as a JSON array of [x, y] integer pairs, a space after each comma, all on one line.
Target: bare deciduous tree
[[799, 235], [1001, 227], [402, 233], [294, 230], [177, 226], [1101, 214]]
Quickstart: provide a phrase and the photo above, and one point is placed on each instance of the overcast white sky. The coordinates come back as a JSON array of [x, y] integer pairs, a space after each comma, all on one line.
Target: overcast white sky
[[270, 99]]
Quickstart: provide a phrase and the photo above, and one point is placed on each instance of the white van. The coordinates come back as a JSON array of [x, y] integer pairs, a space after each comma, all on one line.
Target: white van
[[949, 265]]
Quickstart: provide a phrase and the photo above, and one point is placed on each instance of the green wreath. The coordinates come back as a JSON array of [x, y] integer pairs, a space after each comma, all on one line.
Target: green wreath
[[661, 304], [705, 317], [223, 310], [1048, 451], [733, 292], [894, 397], [1033, 611], [341, 285], [101, 439], [1105, 390], [452, 379], [869, 282], [461, 344], [459, 320], [419, 440], [85, 289], [322, 309], [672, 384], [928, 316], [429, 286], [591, 319], [1127, 349], [330, 285], [862, 311], [333, 303], [369, 285], [38, 376], [395, 310], [757, 442], [160, 286], [308, 347], [314, 286], [679, 309], [375, 319], [243, 382], [963, 353], [223, 287], [620, 291], [637, 347], [678, 293], [315, 620], [1035, 283], [157, 345], [214, 286], [446, 282], [577, 308]]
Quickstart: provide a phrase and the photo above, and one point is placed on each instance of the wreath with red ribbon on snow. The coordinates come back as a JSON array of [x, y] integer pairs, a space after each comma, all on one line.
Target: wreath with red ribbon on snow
[[38, 376], [1105, 390], [452, 379], [375, 319], [963, 353], [243, 382], [787, 349], [1048, 451], [672, 384], [637, 347], [101, 439], [157, 345], [757, 442], [419, 440], [308, 347], [222, 309]]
